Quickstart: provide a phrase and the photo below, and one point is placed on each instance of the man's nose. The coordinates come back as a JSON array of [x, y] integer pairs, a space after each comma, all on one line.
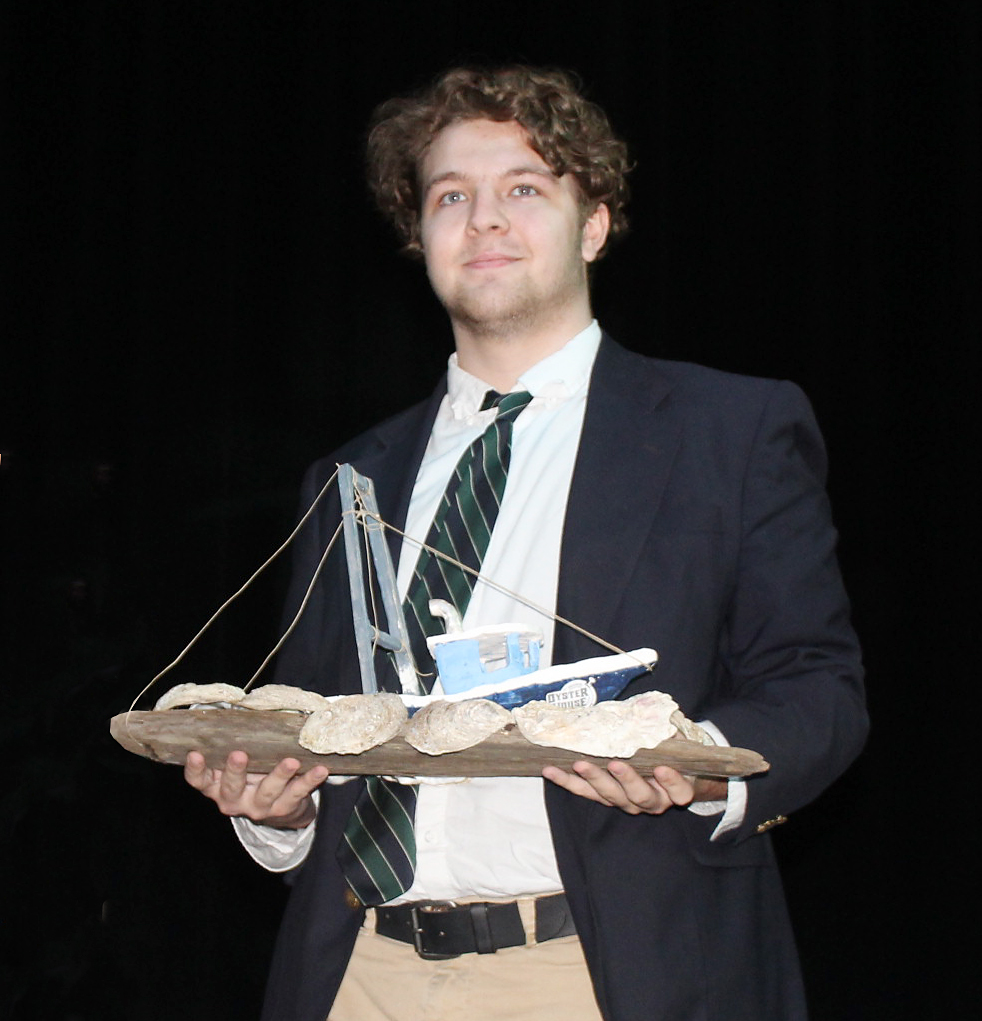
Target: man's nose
[[487, 213]]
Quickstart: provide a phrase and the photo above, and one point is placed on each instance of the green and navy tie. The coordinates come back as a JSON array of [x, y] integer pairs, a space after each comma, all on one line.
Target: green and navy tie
[[378, 851]]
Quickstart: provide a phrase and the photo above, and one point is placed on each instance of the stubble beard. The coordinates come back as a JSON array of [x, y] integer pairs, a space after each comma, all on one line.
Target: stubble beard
[[487, 316], [489, 313]]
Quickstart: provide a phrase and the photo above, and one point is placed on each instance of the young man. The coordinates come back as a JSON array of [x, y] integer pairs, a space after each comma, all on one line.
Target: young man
[[651, 503]]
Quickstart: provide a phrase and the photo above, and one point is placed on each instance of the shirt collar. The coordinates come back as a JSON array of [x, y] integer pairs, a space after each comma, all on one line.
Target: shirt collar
[[562, 375]]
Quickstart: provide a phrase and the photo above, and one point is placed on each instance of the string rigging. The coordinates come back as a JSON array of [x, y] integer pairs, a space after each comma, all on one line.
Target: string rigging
[[361, 515]]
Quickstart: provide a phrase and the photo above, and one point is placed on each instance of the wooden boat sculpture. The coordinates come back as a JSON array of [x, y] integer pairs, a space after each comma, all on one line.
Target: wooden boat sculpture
[[498, 663]]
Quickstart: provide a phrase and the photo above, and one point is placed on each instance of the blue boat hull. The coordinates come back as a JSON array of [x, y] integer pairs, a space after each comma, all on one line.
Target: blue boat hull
[[571, 687]]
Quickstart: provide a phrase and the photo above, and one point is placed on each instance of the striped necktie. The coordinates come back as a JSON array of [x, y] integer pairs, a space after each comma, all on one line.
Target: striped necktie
[[378, 851]]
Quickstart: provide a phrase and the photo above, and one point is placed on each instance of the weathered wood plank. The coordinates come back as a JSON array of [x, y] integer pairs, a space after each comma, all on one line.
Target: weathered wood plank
[[270, 736]]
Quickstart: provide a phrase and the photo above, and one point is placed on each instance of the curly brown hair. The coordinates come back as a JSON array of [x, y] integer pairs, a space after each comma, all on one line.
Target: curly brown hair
[[570, 133]]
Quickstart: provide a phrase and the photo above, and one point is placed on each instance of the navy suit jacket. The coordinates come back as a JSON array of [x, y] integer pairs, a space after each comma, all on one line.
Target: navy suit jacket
[[698, 524]]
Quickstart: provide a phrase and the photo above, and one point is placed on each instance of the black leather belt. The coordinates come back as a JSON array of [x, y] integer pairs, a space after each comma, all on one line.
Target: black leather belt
[[441, 930]]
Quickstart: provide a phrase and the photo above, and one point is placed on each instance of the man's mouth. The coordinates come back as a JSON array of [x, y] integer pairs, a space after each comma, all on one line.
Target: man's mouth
[[490, 260]]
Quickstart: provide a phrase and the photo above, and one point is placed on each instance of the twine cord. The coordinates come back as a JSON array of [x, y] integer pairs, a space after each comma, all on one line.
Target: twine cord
[[517, 596], [361, 514], [211, 620], [296, 617]]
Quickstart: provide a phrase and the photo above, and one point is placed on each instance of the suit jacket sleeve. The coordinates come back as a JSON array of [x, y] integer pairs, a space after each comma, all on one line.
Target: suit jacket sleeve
[[791, 679], [698, 524]]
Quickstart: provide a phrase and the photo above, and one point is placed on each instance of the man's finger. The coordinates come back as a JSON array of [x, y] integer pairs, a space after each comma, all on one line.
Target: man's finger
[[311, 780], [233, 776], [623, 787], [196, 772], [574, 784], [677, 787], [640, 791], [271, 787]]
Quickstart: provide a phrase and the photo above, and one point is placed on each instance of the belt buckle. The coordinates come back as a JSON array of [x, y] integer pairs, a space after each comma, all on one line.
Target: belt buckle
[[429, 908]]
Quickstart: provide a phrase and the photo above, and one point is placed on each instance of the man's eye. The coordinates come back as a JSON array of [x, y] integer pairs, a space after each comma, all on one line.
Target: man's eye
[[525, 189], [451, 198]]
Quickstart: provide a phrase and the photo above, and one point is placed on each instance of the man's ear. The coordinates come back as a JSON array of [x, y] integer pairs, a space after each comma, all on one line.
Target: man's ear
[[595, 231]]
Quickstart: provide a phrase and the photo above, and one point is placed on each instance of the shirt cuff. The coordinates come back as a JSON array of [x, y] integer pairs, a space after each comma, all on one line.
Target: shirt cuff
[[274, 849], [734, 808]]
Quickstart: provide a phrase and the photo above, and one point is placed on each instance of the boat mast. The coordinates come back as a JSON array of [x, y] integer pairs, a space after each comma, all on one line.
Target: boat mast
[[359, 510]]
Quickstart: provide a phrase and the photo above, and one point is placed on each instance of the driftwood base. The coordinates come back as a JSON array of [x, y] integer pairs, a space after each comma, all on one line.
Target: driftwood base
[[268, 737]]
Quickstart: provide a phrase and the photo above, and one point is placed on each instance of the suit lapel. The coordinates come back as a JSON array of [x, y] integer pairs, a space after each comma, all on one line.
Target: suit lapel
[[393, 464], [626, 452]]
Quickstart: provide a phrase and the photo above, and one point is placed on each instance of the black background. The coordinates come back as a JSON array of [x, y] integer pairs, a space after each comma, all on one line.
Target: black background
[[201, 300]]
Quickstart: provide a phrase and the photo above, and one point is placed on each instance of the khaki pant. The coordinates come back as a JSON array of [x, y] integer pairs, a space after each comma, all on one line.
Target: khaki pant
[[388, 981]]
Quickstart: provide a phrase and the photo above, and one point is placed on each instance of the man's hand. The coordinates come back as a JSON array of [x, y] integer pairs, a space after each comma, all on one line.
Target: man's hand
[[621, 786], [280, 798]]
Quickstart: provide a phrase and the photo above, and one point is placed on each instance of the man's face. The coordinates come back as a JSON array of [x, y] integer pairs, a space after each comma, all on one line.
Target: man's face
[[505, 240]]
